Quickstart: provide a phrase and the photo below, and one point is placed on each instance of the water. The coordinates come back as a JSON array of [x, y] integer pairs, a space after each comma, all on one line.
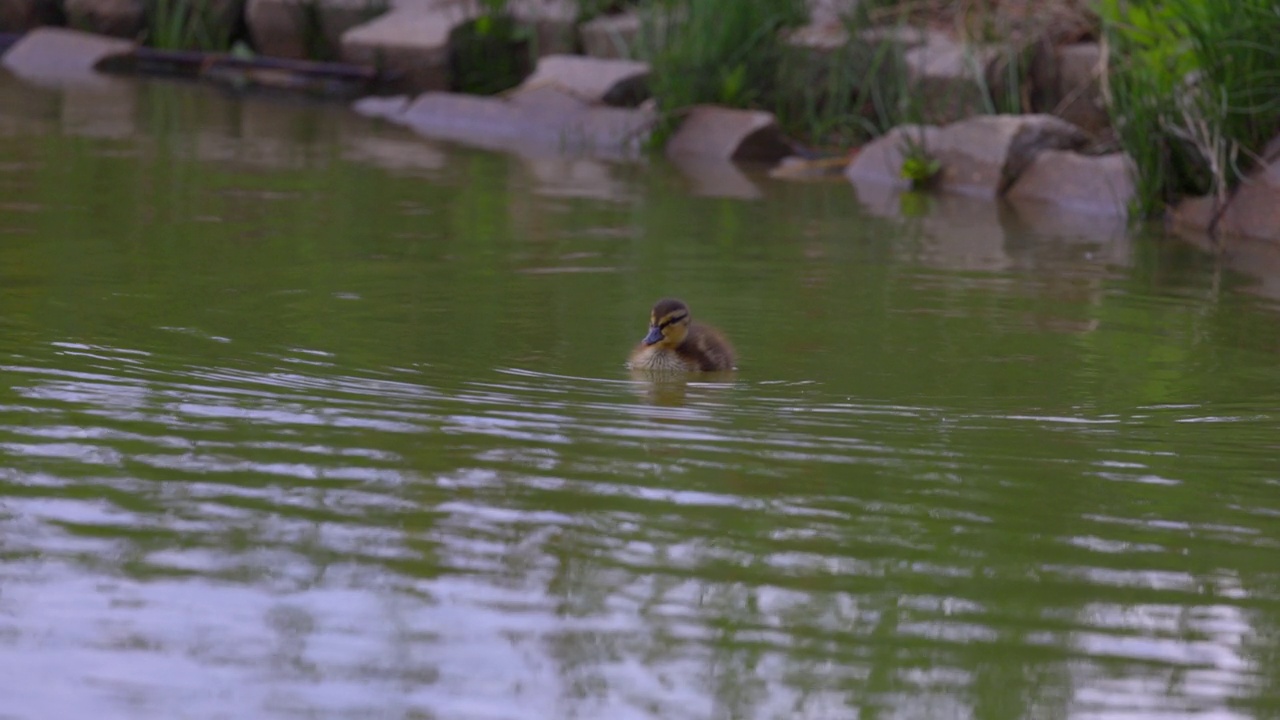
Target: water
[[304, 417]]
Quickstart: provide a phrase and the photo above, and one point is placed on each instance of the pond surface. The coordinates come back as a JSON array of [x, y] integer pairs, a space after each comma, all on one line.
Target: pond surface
[[304, 417]]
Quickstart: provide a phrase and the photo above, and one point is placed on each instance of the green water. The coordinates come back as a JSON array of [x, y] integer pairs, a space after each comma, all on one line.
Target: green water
[[303, 417]]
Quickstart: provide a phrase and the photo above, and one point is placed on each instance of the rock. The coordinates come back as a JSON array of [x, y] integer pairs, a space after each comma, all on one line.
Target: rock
[[611, 36], [1078, 90], [1253, 211], [949, 80], [799, 168], [58, 56], [728, 134], [410, 45], [118, 18], [306, 29], [593, 80], [22, 15], [554, 24], [879, 162], [387, 108], [1196, 213], [541, 118], [1096, 185], [983, 155], [980, 156]]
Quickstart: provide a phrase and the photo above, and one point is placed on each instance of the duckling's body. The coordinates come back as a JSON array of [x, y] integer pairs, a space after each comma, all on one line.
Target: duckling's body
[[676, 343]]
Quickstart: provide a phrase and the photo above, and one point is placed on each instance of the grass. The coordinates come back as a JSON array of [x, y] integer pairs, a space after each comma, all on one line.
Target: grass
[[1193, 90], [186, 25], [710, 51], [737, 54]]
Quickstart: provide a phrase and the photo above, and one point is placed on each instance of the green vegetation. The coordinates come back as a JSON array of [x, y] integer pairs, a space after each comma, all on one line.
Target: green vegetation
[[710, 51], [186, 25], [737, 54], [318, 42], [1193, 91], [919, 166], [492, 53], [1190, 83]]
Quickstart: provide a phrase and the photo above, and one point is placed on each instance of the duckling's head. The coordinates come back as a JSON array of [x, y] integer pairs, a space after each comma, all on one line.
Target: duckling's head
[[668, 323]]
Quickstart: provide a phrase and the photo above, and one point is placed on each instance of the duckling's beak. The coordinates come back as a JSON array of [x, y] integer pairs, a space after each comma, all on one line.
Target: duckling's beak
[[655, 334]]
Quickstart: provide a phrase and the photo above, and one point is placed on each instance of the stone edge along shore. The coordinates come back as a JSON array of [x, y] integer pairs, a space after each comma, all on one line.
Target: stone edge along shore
[[596, 104]]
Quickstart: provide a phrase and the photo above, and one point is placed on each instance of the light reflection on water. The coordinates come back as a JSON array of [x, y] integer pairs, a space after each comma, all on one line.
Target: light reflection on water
[[542, 545], [285, 436]]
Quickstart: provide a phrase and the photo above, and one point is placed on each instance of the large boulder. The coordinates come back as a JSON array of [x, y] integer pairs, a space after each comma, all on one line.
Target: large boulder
[[1253, 211], [118, 18], [542, 119], [880, 161], [594, 80], [1066, 81], [306, 29], [409, 45], [22, 15], [59, 57], [949, 79], [710, 131], [1092, 184], [983, 155]]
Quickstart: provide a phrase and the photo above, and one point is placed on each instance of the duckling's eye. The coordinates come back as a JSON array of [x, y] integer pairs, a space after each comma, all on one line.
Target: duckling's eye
[[671, 320]]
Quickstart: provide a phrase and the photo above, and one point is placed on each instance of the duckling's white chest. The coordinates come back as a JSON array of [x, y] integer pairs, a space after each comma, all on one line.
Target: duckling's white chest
[[654, 358]]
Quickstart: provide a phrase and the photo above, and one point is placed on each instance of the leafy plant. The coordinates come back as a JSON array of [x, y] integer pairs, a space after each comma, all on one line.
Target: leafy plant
[[492, 53], [186, 25], [919, 166], [710, 51], [1192, 91]]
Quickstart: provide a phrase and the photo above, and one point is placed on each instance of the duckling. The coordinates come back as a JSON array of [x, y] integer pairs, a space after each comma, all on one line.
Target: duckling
[[675, 342]]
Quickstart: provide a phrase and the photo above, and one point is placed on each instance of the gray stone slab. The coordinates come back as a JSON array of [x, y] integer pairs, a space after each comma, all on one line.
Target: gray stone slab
[[409, 45], [984, 155], [1253, 211], [594, 80], [950, 79], [1079, 87], [879, 162], [58, 56], [546, 119], [729, 134], [1098, 185]]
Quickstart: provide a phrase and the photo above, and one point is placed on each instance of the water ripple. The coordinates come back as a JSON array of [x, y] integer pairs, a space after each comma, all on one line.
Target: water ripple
[[530, 513]]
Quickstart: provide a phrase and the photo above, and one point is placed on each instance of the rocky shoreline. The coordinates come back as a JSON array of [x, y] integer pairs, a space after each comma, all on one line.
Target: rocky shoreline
[[596, 103]]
